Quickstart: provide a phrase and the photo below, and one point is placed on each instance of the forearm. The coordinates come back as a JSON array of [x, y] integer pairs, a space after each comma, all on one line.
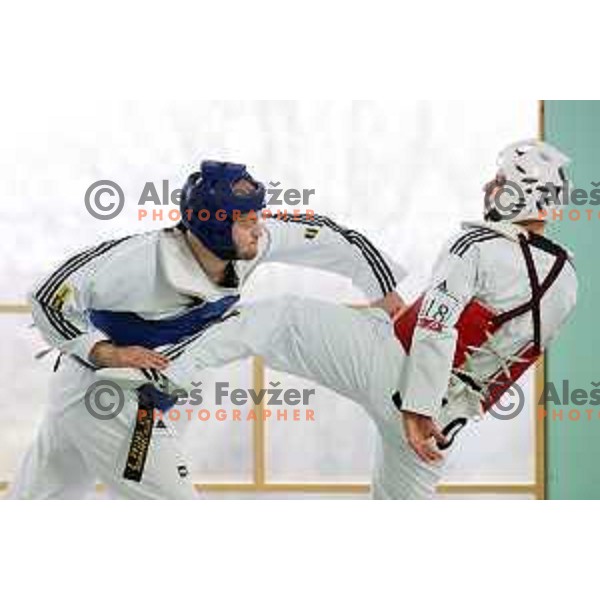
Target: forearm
[[107, 355]]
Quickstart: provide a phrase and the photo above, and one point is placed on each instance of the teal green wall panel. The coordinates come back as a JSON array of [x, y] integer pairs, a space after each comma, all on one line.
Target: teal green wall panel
[[573, 447]]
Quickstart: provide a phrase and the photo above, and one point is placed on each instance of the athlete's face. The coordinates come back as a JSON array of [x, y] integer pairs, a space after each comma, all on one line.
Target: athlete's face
[[246, 232], [247, 229]]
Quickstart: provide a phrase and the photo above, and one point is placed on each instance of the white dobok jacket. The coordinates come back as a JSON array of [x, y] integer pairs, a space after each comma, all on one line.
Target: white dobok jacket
[[149, 290], [497, 298]]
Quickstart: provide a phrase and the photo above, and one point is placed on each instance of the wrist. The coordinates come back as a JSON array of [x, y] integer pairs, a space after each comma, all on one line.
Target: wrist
[[103, 354]]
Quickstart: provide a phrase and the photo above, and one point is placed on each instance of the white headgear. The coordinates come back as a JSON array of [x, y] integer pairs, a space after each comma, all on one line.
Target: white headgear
[[535, 176]]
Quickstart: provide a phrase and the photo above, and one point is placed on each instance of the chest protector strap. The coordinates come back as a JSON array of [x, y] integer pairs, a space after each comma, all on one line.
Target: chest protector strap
[[538, 290]]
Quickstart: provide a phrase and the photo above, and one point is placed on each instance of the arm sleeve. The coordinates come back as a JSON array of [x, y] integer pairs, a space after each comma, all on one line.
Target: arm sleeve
[[431, 358], [60, 302], [317, 241]]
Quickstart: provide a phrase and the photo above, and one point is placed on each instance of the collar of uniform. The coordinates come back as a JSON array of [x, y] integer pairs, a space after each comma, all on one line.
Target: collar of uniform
[[182, 269], [511, 231]]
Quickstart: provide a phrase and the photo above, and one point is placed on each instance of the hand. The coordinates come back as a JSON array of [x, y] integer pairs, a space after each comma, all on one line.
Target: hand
[[392, 303], [420, 430], [105, 354]]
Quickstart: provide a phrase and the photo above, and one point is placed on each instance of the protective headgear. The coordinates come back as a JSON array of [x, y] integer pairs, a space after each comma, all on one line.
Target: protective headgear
[[535, 178], [209, 204]]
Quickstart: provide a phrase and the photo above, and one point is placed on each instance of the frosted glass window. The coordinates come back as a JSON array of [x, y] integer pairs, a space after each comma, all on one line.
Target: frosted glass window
[[405, 172]]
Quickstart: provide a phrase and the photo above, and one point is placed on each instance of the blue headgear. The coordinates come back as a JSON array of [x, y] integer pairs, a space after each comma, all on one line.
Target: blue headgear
[[211, 191]]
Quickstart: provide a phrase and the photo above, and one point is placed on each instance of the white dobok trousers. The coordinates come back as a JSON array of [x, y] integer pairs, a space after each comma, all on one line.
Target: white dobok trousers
[[353, 352]]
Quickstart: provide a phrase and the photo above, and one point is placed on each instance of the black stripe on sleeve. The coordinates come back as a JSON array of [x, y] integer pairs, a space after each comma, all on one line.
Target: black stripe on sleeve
[[382, 271], [50, 287], [461, 247], [45, 293], [58, 321], [465, 239]]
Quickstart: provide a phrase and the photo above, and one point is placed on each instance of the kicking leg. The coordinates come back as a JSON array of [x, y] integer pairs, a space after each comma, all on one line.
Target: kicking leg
[[335, 346]]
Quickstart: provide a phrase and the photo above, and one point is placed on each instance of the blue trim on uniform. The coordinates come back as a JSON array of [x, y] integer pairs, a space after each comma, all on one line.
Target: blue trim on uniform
[[129, 329]]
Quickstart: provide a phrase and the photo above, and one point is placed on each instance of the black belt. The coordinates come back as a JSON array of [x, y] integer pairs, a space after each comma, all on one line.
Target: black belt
[[140, 440]]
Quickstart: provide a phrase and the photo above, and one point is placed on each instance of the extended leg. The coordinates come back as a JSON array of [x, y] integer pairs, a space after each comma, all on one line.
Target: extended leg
[[335, 346]]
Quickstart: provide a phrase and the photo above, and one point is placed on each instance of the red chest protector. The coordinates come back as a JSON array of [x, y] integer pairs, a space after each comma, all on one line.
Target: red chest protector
[[476, 324]]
